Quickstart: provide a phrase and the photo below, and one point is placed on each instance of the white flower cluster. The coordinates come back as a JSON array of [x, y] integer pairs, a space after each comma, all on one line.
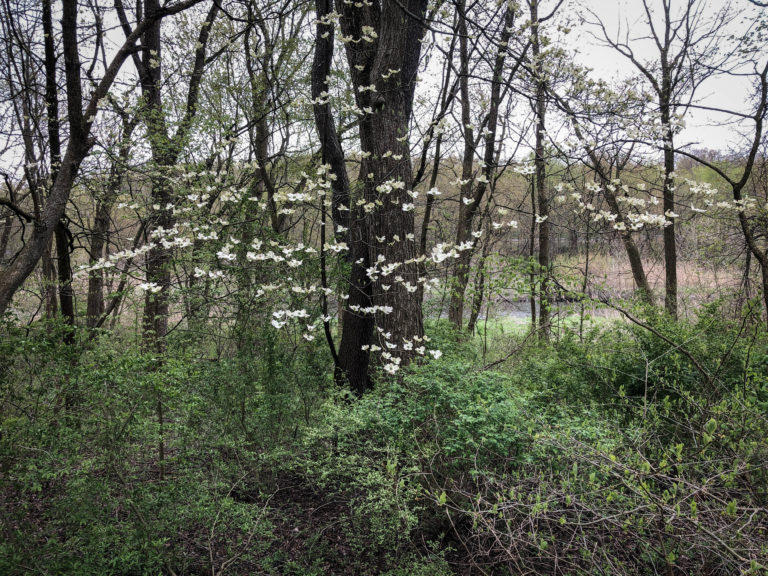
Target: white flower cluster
[[370, 310], [111, 260], [738, 206], [525, 169], [645, 219], [444, 251], [149, 287], [226, 253], [212, 274], [171, 237], [389, 349], [286, 253], [633, 220]]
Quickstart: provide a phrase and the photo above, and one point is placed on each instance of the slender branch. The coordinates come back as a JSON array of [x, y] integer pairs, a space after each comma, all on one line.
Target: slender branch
[[19, 212]]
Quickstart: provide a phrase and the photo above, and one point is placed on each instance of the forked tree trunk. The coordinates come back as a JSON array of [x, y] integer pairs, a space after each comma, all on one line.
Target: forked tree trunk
[[79, 142], [383, 139], [165, 152], [474, 194]]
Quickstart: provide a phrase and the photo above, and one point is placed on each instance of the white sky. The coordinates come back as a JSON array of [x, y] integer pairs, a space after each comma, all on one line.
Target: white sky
[[702, 127]]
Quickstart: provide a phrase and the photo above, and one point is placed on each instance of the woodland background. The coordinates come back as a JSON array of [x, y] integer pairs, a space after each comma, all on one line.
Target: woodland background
[[383, 287]]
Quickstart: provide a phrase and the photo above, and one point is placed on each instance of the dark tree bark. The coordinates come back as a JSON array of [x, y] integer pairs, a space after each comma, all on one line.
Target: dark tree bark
[[51, 90], [95, 298], [61, 233], [664, 90], [156, 306], [532, 262], [480, 275], [383, 139], [78, 145], [467, 212], [330, 145], [165, 152], [64, 269], [332, 155], [5, 235], [424, 233], [540, 165]]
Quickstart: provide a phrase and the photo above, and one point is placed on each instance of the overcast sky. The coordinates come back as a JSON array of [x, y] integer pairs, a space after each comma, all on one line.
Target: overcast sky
[[622, 16]]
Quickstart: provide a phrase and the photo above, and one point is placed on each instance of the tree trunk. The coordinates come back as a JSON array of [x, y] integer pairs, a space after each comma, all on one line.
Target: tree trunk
[[5, 236], [764, 276], [747, 270], [540, 164], [532, 262], [357, 327], [156, 305], [633, 254], [428, 216], [760, 255], [479, 288], [330, 145], [49, 283], [398, 314], [670, 249], [42, 232], [64, 269], [466, 211], [165, 151], [95, 300], [474, 195]]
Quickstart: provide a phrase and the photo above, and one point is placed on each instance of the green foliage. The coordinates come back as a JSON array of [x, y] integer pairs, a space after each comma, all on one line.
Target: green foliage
[[650, 455], [84, 488], [632, 442]]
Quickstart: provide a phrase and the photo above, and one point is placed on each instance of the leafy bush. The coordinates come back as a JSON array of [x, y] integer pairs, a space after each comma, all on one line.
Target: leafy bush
[[83, 487], [637, 450], [610, 476]]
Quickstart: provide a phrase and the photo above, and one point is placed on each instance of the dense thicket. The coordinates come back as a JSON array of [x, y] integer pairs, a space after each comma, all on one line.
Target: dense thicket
[[382, 287]]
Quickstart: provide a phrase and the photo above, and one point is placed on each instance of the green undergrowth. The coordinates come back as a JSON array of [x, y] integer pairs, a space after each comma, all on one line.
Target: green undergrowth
[[623, 450]]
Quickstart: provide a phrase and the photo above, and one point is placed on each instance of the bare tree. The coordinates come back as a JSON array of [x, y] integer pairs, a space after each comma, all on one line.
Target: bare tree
[[471, 192], [102, 219], [165, 148], [753, 228], [690, 49]]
